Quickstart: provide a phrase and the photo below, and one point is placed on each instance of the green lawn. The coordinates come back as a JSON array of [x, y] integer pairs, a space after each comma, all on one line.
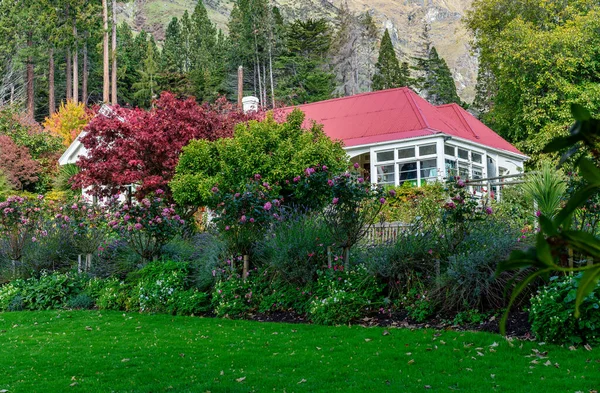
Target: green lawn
[[115, 352]]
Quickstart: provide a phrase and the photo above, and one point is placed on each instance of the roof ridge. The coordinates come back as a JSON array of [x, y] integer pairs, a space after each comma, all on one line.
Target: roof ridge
[[455, 108], [417, 109]]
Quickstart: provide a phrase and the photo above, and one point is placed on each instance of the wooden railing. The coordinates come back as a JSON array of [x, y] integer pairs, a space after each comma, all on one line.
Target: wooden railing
[[386, 232]]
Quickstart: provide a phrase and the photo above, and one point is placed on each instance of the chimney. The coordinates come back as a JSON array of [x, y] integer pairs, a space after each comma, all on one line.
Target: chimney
[[249, 104]]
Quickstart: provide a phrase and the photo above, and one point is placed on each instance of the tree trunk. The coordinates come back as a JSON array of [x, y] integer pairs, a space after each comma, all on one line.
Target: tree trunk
[[114, 53], [271, 75], [30, 90], [84, 84], [75, 67], [264, 84], [106, 73], [260, 89], [69, 76], [51, 98]]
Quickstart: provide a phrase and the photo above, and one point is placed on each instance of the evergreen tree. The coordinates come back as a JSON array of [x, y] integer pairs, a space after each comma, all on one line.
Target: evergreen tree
[[172, 54], [303, 74], [147, 87], [388, 72], [437, 84]]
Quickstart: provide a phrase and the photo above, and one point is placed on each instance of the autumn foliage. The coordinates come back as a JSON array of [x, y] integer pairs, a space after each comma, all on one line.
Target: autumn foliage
[[69, 121], [139, 147], [17, 165]]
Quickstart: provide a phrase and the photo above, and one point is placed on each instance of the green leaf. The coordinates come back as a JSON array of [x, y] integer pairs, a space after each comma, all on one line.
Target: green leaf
[[577, 200], [583, 242], [586, 286], [543, 251], [516, 292], [547, 226], [518, 259], [560, 143], [580, 113], [589, 171]]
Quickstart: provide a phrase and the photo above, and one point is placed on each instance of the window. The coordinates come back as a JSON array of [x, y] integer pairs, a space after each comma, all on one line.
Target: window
[[406, 153], [476, 157], [463, 154], [477, 174], [385, 156], [428, 171], [450, 168], [385, 174], [463, 171], [408, 172], [450, 150], [427, 150]]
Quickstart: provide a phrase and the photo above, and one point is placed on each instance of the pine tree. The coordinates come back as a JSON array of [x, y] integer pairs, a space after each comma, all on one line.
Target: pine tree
[[437, 84], [147, 87], [172, 56], [388, 72]]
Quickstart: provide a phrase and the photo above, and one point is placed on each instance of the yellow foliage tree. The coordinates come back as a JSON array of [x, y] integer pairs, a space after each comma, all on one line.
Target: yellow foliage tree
[[69, 121]]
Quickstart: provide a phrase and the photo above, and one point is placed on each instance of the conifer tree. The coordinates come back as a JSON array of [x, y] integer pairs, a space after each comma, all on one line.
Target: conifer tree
[[437, 83], [172, 56], [147, 87], [388, 72]]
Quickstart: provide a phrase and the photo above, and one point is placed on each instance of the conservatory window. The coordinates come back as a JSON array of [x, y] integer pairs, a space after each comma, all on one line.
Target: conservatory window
[[450, 167], [428, 171], [477, 174], [450, 150], [385, 156], [406, 153], [476, 157], [385, 174], [408, 172], [463, 171], [463, 154], [427, 150]]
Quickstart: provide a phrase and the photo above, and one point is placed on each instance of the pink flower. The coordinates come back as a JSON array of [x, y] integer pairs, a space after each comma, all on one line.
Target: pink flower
[[324, 167], [450, 205], [330, 183], [159, 191], [34, 239], [296, 179], [460, 183], [430, 251], [251, 219], [138, 226], [40, 197], [335, 201], [392, 193], [309, 171], [227, 228], [257, 177], [126, 217], [488, 210], [237, 195], [382, 200], [538, 213], [243, 219], [214, 189], [267, 206], [356, 165], [361, 180]]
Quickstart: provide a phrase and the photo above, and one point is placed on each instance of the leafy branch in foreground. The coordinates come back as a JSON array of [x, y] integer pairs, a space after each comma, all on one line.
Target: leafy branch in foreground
[[557, 233]]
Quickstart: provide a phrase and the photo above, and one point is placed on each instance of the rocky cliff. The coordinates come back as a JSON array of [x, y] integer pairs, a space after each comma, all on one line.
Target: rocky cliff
[[406, 20]]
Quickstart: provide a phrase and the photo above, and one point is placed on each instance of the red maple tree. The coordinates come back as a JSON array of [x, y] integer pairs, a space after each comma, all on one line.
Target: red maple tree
[[142, 148], [16, 163]]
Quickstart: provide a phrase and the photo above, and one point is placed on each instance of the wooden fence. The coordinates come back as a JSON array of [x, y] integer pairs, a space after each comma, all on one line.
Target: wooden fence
[[384, 232]]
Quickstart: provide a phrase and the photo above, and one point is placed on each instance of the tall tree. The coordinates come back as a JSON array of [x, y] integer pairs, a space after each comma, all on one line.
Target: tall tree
[[105, 52], [388, 72], [113, 79], [147, 87], [438, 84]]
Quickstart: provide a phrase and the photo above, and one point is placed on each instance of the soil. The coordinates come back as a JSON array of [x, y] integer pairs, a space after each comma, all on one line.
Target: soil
[[517, 325]]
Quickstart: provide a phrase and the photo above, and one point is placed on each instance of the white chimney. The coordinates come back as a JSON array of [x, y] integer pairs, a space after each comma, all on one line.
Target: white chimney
[[249, 104]]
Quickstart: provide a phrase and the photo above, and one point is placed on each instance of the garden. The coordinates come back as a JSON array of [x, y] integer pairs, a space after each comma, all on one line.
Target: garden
[[262, 218]]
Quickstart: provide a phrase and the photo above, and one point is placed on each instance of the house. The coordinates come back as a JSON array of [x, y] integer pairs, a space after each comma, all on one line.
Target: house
[[398, 137]]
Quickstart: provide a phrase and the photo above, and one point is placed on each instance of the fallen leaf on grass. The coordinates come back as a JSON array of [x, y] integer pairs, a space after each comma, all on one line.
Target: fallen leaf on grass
[[88, 328], [588, 347], [385, 333], [73, 384], [3, 391], [125, 360], [480, 354], [411, 361], [367, 339], [548, 363], [302, 381], [427, 387], [240, 379]]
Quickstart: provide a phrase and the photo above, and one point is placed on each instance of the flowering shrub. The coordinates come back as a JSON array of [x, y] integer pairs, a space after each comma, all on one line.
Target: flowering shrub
[[112, 294], [234, 296], [342, 295], [68, 121], [553, 308], [162, 287], [86, 225], [145, 226], [20, 223], [243, 217]]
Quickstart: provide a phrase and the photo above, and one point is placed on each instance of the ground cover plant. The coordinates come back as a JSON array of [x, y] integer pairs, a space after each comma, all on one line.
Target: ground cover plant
[[112, 351]]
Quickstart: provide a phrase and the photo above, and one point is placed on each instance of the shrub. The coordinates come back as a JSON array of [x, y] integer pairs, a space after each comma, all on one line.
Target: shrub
[[68, 121], [552, 313], [8, 292], [296, 248], [235, 297], [113, 295], [343, 295], [410, 202], [20, 224], [82, 301], [281, 295]]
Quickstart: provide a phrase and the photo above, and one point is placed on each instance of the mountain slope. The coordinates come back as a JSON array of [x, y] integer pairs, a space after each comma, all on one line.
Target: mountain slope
[[405, 19]]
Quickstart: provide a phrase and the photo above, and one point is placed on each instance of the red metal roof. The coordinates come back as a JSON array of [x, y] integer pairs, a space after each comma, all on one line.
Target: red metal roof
[[396, 114]]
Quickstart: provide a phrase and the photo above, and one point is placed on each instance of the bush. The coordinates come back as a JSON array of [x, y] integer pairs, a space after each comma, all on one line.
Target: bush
[[281, 295], [342, 296], [8, 292], [235, 297], [82, 301], [113, 294], [552, 313], [296, 248]]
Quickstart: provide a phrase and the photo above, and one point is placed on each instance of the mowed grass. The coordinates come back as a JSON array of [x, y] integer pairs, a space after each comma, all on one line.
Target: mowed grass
[[91, 351]]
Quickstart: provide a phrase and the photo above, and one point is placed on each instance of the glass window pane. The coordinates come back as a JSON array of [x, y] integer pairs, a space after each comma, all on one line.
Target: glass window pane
[[450, 150], [464, 154], [385, 174], [476, 157], [450, 168], [463, 171], [406, 153], [385, 156], [427, 150], [428, 169], [408, 173], [477, 172]]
